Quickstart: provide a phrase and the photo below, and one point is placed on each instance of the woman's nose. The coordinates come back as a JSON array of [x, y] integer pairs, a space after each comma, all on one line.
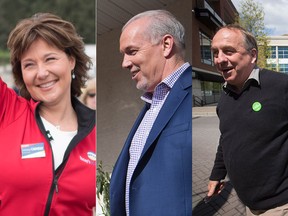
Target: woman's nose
[[42, 72]]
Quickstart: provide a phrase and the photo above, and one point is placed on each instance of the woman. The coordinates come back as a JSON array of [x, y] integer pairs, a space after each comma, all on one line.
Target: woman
[[47, 137]]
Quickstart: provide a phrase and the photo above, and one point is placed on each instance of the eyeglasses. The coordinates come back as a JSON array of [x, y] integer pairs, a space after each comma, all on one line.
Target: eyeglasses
[[91, 95]]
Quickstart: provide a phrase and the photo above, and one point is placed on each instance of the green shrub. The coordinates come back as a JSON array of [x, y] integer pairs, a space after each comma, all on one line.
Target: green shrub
[[103, 185]]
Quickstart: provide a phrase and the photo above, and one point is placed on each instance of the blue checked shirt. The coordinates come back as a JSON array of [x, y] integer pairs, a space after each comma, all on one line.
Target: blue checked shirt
[[156, 100]]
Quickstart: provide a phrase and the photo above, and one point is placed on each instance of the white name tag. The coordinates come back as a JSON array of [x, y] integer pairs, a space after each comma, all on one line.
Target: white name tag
[[32, 150]]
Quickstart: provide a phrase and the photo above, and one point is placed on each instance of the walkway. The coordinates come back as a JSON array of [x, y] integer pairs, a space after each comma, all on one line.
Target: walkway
[[205, 137]]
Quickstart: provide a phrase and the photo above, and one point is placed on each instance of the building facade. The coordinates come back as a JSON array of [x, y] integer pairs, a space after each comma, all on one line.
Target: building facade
[[207, 17], [278, 58]]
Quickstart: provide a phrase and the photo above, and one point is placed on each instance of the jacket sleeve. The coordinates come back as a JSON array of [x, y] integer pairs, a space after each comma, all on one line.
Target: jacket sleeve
[[11, 106], [219, 170], [3, 99]]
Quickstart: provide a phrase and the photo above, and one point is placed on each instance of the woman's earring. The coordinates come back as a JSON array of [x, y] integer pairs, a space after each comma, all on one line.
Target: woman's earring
[[73, 75]]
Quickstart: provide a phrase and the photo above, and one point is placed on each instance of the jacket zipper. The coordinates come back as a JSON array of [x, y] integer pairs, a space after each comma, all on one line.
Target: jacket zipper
[[54, 187], [56, 173], [56, 184]]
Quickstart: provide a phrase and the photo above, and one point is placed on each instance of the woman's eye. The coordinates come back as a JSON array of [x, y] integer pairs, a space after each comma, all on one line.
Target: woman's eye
[[27, 65], [50, 59]]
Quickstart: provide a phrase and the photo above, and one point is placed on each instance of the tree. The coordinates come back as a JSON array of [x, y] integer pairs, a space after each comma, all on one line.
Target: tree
[[80, 13], [251, 17]]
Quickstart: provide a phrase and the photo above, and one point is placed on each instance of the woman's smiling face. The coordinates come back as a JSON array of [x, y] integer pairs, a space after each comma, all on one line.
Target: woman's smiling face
[[46, 72]]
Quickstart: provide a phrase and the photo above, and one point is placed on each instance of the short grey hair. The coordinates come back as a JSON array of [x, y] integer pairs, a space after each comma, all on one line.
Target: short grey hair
[[162, 22]]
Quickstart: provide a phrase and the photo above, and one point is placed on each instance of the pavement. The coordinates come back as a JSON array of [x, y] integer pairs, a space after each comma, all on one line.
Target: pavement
[[205, 137], [204, 111]]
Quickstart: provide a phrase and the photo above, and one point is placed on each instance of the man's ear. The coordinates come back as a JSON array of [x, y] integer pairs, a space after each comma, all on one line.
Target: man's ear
[[167, 44], [254, 55]]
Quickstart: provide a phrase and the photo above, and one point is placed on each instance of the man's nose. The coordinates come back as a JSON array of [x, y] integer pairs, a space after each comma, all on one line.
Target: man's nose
[[126, 63]]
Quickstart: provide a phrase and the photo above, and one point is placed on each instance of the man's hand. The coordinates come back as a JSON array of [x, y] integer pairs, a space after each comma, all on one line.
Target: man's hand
[[214, 188]]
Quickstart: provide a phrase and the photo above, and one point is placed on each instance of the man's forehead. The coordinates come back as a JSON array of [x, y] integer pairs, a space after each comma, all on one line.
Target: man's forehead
[[140, 23], [228, 35], [134, 36], [132, 30]]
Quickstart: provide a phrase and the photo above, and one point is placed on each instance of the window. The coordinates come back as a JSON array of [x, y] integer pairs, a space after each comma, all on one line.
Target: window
[[282, 52], [272, 52], [283, 68], [205, 46]]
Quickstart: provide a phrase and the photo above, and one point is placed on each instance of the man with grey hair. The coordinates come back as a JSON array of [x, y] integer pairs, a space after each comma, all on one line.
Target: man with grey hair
[[153, 174]]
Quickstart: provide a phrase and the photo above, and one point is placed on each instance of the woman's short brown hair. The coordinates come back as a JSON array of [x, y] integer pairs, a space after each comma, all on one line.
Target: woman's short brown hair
[[56, 32]]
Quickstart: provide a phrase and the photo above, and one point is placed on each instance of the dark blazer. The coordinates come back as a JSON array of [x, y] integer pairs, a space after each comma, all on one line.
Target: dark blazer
[[162, 180]]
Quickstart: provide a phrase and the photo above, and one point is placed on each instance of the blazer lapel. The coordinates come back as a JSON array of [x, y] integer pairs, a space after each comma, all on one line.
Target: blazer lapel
[[173, 101], [121, 165], [124, 155]]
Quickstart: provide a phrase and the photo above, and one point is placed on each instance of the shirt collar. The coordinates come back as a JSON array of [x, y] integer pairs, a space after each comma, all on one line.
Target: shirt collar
[[169, 81], [254, 75]]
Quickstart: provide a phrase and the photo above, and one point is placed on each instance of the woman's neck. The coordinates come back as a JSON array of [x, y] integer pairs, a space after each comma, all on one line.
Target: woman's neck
[[62, 117]]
